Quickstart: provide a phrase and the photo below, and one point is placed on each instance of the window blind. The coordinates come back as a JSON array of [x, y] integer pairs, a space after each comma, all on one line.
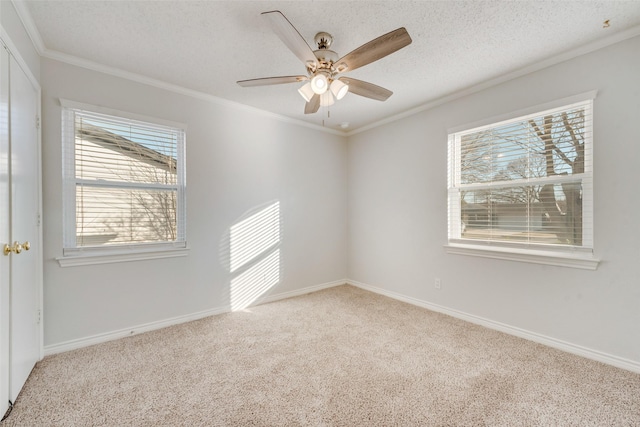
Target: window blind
[[124, 181], [525, 182]]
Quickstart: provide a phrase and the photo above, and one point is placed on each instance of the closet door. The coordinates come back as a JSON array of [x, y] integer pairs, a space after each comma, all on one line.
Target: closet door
[[20, 265], [25, 177]]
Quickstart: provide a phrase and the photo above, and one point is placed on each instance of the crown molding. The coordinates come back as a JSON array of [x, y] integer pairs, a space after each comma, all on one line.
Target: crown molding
[[139, 78], [30, 26], [528, 69], [34, 34], [43, 51]]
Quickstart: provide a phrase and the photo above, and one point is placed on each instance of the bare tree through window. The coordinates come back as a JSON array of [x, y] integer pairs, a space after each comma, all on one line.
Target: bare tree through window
[[127, 187], [523, 180]]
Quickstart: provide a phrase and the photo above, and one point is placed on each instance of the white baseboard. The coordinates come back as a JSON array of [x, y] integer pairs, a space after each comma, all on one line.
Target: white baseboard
[[298, 292], [151, 326], [532, 336], [127, 332], [568, 347]]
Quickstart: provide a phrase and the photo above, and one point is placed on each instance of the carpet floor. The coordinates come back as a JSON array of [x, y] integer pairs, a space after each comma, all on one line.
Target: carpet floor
[[338, 357]]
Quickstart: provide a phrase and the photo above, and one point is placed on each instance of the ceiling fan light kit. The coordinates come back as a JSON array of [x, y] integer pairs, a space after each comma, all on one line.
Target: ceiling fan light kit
[[339, 89], [323, 84], [319, 83], [327, 99], [306, 92]]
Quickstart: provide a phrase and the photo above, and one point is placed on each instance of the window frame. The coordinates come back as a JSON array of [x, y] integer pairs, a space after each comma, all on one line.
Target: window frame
[[73, 255], [559, 255]]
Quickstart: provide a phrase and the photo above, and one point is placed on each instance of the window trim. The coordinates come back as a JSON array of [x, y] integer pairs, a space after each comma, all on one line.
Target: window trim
[[564, 256], [90, 258], [73, 255], [560, 259]]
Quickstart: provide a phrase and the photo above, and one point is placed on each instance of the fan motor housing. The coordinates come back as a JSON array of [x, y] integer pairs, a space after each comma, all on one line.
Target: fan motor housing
[[323, 40], [326, 57]]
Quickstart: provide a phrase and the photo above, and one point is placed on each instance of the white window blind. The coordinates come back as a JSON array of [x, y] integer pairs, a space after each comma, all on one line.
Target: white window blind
[[525, 183], [124, 182]]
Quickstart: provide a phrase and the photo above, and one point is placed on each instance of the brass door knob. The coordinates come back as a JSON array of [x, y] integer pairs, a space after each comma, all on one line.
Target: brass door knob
[[16, 248]]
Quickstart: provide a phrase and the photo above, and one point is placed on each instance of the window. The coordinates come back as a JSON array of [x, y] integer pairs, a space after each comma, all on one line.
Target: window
[[124, 183], [525, 185]]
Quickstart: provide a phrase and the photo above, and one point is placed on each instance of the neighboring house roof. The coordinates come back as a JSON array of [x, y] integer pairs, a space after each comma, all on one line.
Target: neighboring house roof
[[126, 147]]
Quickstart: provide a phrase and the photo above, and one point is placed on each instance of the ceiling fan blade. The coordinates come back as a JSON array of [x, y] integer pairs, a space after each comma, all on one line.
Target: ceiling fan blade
[[368, 90], [374, 50], [290, 36], [272, 81], [313, 105]]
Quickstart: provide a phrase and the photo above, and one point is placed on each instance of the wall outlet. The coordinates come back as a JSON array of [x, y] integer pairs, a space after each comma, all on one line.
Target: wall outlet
[[437, 283]]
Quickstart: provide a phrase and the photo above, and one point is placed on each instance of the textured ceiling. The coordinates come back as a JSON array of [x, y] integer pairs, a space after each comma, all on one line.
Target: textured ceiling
[[207, 46]]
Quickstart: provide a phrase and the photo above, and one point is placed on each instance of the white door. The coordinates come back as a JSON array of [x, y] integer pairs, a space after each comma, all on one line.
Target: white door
[[25, 316], [20, 269]]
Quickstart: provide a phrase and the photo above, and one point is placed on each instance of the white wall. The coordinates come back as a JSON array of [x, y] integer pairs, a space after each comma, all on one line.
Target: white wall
[[237, 160], [397, 177], [395, 209]]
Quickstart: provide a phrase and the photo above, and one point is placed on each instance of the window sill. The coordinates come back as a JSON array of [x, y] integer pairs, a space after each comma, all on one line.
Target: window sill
[[108, 258], [581, 261]]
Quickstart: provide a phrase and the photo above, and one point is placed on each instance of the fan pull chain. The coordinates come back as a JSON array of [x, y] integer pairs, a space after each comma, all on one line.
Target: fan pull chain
[[328, 115]]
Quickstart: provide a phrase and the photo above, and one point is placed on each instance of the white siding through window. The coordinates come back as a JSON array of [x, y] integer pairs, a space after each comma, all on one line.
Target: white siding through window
[[124, 182]]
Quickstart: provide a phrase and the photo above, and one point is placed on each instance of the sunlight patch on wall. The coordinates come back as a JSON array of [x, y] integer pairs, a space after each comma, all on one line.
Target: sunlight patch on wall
[[254, 256], [250, 285], [253, 236]]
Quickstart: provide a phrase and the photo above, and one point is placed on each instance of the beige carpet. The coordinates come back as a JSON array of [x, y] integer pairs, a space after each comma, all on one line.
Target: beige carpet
[[338, 357]]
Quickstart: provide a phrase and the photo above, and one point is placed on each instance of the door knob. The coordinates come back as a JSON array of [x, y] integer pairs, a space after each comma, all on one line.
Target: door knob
[[16, 248]]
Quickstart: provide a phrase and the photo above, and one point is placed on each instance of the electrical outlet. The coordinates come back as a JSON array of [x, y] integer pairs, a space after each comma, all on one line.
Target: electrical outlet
[[437, 283]]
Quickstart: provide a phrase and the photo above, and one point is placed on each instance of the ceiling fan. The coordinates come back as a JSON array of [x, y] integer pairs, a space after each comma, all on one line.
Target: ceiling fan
[[323, 83]]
